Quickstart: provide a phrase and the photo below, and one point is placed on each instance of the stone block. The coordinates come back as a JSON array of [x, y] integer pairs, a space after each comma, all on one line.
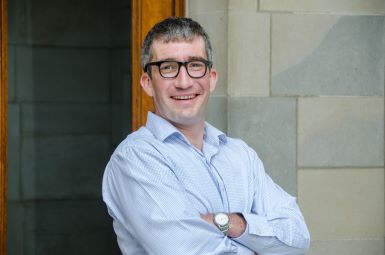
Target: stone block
[[11, 74], [15, 228], [17, 21], [217, 112], [14, 141], [202, 6], [341, 132], [116, 125], [215, 24], [65, 119], [243, 5], [269, 126], [342, 204], [120, 67], [121, 27], [126, 111], [69, 23], [327, 55], [77, 244], [347, 247], [330, 6], [60, 167], [248, 54], [71, 227], [62, 74], [119, 4]]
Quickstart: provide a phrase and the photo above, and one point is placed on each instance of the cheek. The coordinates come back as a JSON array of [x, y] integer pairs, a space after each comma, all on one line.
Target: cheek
[[209, 86], [212, 87], [160, 93]]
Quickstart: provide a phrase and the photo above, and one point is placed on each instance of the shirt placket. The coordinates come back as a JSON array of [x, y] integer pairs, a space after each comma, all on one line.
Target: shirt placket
[[207, 158]]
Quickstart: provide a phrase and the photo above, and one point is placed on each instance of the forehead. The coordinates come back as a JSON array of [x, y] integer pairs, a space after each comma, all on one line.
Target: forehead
[[178, 49]]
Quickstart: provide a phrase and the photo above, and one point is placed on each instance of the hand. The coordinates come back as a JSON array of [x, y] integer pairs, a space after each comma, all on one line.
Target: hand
[[237, 223]]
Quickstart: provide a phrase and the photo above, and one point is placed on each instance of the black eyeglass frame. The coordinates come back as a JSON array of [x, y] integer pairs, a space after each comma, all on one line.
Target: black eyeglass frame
[[208, 65]]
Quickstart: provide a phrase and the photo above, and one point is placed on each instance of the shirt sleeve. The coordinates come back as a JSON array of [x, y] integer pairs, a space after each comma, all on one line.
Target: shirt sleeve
[[275, 224], [148, 203]]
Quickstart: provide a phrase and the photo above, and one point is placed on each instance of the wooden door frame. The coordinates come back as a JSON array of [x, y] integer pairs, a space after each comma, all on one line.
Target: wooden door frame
[[144, 14]]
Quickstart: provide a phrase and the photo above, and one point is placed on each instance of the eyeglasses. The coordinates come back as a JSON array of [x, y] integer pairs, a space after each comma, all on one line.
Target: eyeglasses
[[171, 68]]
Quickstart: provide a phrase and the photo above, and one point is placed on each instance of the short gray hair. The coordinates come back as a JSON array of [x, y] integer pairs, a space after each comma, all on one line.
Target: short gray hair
[[174, 29]]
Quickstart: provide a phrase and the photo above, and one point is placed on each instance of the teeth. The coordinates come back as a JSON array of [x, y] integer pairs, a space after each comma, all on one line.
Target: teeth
[[183, 97]]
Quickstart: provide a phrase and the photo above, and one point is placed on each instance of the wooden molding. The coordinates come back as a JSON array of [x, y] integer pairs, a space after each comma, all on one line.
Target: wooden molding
[[144, 14], [3, 124]]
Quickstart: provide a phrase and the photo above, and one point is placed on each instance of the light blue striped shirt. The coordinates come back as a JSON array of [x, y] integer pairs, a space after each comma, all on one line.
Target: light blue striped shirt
[[156, 185]]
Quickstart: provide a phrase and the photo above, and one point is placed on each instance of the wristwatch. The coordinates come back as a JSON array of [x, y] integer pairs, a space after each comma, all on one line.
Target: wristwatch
[[222, 221]]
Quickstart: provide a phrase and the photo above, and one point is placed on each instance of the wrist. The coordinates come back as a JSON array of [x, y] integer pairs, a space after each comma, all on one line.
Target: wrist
[[237, 225]]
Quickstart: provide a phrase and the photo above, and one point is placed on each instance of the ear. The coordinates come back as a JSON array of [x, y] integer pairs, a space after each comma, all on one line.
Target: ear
[[146, 83], [213, 79]]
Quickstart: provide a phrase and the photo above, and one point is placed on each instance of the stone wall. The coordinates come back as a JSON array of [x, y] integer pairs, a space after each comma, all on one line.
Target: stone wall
[[303, 83]]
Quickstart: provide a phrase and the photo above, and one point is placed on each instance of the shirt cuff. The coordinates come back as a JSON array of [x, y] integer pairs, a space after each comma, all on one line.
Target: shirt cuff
[[257, 229], [257, 225]]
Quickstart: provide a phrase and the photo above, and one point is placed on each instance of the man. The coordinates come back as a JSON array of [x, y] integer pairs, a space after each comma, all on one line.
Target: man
[[179, 185]]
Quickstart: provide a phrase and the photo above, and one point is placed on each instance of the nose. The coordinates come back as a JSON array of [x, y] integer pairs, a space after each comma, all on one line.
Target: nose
[[183, 80]]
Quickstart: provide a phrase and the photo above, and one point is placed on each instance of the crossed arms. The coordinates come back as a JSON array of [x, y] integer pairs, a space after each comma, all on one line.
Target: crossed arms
[[152, 212]]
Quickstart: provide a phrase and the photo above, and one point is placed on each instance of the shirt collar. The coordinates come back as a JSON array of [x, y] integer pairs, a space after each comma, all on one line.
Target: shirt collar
[[162, 129], [214, 135]]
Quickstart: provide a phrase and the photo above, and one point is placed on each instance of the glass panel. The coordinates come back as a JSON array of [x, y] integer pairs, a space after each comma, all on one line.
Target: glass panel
[[69, 107]]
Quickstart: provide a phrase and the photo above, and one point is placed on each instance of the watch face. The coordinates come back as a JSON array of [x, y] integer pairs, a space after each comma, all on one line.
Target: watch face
[[221, 219]]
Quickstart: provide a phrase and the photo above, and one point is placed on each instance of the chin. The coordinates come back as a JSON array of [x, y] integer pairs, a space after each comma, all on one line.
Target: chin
[[186, 120]]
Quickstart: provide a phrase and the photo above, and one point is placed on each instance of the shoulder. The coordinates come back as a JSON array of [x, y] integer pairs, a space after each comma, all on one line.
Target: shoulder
[[139, 153], [139, 148], [236, 142], [238, 145], [140, 140], [245, 152]]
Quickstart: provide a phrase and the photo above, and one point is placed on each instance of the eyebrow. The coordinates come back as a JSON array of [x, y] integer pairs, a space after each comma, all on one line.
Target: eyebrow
[[196, 58], [188, 59]]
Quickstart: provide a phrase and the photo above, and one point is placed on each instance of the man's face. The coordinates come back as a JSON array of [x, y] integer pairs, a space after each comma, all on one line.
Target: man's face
[[181, 100]]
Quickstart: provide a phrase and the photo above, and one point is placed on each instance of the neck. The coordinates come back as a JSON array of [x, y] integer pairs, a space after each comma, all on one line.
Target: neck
[[193, 133]]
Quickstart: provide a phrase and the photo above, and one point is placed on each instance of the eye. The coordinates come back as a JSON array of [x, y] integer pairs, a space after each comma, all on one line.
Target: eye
[[196, 65], [168, 67]]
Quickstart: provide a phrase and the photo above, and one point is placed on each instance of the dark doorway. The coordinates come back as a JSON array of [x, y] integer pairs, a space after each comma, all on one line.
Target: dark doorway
[[69, 106]]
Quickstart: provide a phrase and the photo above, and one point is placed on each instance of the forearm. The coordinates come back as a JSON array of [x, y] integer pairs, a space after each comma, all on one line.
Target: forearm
[[267, 245], [262, 240], [275, 235]]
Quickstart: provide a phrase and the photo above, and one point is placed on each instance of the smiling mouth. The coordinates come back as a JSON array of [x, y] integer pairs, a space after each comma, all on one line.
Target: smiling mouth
[[184, 97]]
